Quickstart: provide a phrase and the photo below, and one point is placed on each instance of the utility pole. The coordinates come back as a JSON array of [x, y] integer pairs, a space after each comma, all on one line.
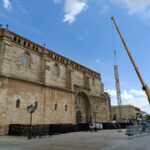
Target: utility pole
[[118, 91]]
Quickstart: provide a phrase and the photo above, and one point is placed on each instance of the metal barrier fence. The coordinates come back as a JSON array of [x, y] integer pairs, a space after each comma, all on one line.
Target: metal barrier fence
[[120, 125], [137, 129], [42, 130]]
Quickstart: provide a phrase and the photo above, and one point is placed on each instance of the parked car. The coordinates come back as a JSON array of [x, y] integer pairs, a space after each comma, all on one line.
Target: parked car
[[95, 127]]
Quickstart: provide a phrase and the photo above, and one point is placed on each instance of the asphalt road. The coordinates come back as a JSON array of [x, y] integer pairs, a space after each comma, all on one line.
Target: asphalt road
[[101, 140]]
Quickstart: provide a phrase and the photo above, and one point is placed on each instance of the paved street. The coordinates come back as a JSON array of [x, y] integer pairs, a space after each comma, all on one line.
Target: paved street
[[101, 140]]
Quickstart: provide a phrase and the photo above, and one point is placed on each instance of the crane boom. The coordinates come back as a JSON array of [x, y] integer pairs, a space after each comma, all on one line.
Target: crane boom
[[145, 87]]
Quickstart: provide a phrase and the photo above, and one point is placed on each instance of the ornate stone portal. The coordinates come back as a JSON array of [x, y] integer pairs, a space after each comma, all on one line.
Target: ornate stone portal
[[83, 108]]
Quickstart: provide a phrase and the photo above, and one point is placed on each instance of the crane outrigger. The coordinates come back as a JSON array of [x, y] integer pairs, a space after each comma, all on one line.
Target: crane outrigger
[[145, 87]]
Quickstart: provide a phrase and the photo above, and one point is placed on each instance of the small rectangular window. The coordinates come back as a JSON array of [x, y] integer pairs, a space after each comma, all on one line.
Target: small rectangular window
[[18, 103], [66, 107], [55, 107]]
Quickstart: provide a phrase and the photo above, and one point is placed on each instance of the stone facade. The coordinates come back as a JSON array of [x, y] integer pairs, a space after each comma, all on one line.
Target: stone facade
[[129, 113], [63, 90]]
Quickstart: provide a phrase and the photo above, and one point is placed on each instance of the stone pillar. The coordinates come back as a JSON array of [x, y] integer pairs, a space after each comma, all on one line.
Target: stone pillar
[[43, 67], [69, 77], [4, 121], [1, 53], [108, 103], [86, 81], [5, 51]]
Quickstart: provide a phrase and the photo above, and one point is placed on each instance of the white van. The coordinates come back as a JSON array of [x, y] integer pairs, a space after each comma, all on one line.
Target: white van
[[98, 126]]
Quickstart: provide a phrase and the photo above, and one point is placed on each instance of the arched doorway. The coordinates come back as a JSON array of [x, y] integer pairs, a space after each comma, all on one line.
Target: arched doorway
[[83, 111], [79, 117]]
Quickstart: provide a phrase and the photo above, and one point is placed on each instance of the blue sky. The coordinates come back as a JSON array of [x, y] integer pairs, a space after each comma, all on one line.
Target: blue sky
[[82, 31]]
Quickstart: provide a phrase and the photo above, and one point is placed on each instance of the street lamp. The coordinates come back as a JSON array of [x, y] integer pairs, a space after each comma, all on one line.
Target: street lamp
[[31, 109], [94, 114]]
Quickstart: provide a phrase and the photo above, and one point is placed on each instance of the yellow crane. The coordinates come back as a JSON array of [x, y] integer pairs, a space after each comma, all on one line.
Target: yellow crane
[[145, 87]]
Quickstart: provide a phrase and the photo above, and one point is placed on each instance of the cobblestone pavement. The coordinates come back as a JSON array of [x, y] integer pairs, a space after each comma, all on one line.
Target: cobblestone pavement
[[101, 140]]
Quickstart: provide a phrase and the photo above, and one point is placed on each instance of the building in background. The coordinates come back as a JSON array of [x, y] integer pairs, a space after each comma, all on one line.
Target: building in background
[[63, 91], [129, 113], [143, 116]]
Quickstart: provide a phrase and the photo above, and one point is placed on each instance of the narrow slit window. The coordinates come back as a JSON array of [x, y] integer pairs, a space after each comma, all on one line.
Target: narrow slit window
[[56, 107], [18, 103], [66, 107]]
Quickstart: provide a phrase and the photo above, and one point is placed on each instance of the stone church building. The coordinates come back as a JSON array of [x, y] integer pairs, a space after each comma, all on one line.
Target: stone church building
[[63, 91]]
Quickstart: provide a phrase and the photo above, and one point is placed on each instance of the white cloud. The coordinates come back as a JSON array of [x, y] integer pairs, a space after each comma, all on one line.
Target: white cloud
[[104, 9], [84, 35], [137, 92], [57, 1], [112, 93], [74, 8], [131, 97], [97, 60], [80, 38], [135, 6], [103, 5], [126, 95], [6, 4], [20, 6]]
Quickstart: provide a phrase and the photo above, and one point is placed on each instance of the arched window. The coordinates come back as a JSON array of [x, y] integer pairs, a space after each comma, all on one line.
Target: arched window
[[36, 105], [24, 43], [28, 44], [55, 107], [26, 59], [19, 40], [15, 38], [18, 103], [56, 70]]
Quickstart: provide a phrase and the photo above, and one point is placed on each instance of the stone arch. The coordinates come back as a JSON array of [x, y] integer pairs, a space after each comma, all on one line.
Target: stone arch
[[78, 117], [83, 108]]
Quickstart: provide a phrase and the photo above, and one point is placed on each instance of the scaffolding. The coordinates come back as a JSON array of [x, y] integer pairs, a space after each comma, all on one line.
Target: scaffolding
[[118, 91]]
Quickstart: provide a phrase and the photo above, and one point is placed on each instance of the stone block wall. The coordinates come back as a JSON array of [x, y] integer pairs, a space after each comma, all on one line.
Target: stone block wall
[[13, 65], [46, 97], [31, 74], [129, 112]]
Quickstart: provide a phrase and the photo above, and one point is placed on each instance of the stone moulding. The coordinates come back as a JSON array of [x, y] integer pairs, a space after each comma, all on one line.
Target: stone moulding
[[37, 83]]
